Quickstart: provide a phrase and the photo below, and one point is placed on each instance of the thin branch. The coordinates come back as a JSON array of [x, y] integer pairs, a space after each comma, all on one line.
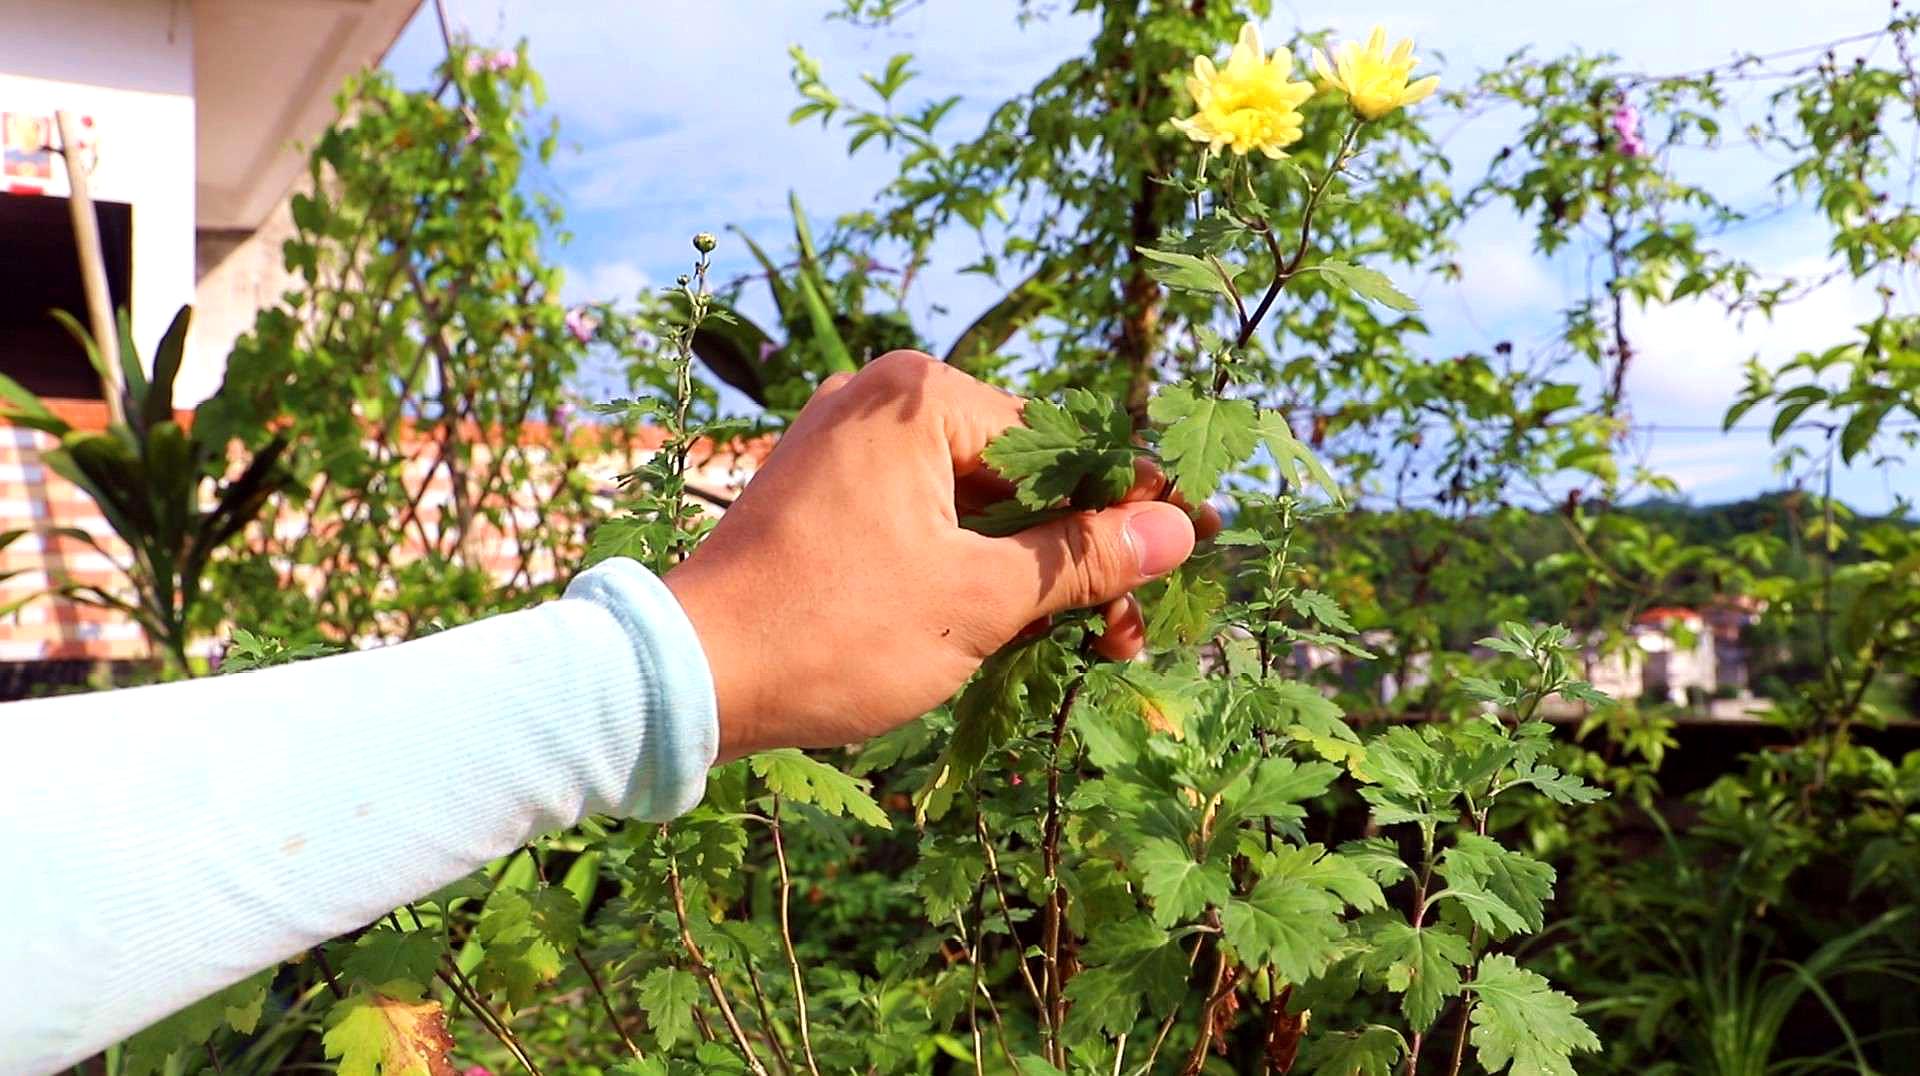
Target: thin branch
[[606, 1003], [1056, 894], [707, 972], [786, 940], [1006, 909]]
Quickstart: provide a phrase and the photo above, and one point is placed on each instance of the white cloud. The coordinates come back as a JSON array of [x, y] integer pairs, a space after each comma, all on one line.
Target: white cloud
[[615, 281], [1689, 356]]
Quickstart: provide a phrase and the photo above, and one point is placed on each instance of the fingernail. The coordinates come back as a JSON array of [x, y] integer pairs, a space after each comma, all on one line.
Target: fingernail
[[1161, 535]]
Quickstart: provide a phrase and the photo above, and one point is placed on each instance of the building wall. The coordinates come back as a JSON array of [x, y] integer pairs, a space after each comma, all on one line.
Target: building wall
[[127, 64]]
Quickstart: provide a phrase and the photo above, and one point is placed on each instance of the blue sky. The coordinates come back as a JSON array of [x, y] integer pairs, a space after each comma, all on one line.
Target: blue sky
[[673, 118]]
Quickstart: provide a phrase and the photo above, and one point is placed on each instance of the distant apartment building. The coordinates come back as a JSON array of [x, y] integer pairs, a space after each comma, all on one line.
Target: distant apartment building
[[1679, 655]]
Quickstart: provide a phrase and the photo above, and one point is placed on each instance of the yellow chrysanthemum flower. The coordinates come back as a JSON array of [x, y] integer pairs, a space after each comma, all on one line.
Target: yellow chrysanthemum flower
[[1374, 80], [1248, 104]]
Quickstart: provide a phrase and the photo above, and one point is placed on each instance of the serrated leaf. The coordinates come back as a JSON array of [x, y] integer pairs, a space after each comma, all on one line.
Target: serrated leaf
[[1320, 608], [1161, 701], [380, 1033], [1519, 1019], [1556, 786], [382, 956], [793, 775], [1203, 439], [1369, 284], [1081, 451], [1184, 614], [1288, 922], [1297, 463], [1504, 891], [945, 876], [1189, 273], [668, 995], [525, 933], [238, 1006], [1179, 887], [1014, 684], [1278, 786], [1130, 964], [1423, 963], [1378, 858], [1373, 1051]]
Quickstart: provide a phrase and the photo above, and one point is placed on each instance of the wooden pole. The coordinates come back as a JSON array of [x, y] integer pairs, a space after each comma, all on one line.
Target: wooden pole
[[93, 267]]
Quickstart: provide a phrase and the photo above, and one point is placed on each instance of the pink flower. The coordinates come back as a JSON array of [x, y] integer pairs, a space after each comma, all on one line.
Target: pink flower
[[498, 60], [766, 350], [1626, 124], [562, 413], [582, 324]]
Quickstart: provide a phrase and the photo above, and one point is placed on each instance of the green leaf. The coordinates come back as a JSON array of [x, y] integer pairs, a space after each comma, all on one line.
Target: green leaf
[[1373, 1051], [825, 336], [990, 331], [946, 875], [1556, 786], [1179, 887], [1162, 701], [381, 956], [1016, 683], [668, 995], [1277, 788], [1188, 273], [1422, 963], [1504, 891], [1130, 963], [791, 774], [391, 1032], [1286, 921], [1368, 284], [1184, 613], [237, 1006], [1378, 858], [1320, 608], [1203, 439], [1296, 461], [1519, 1018], [525, 932], [1080, 451]]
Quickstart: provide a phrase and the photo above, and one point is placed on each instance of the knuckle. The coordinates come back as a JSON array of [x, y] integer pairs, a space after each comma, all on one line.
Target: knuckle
[[835, 382], [898, 370]]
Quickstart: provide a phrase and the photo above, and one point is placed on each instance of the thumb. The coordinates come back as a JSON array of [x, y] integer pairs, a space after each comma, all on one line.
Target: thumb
[[1090, 558]]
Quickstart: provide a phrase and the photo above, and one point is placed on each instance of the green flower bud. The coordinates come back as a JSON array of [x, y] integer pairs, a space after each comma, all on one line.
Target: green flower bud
[[704, 242]]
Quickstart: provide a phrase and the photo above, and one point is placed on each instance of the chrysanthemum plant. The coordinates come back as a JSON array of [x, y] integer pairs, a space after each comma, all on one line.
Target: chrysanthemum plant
[[1186, 862], [1167, 868]]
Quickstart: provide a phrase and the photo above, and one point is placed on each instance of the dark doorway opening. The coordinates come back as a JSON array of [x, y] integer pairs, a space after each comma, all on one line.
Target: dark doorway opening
[[39, 273]]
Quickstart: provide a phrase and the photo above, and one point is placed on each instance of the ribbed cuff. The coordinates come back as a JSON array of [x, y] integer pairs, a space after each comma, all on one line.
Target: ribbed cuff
[[682, 727]]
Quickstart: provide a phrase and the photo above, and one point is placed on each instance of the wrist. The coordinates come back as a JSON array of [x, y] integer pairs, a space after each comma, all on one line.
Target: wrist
[[707, 607]]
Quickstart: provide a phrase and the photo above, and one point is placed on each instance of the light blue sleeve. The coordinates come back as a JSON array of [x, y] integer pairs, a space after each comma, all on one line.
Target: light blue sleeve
[[159, 843]]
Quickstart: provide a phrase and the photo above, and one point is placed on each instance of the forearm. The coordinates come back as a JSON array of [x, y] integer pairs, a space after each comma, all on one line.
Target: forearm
[[163, 842]]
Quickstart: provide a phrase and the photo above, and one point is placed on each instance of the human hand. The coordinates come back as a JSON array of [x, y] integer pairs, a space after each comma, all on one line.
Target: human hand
[[839, 597]]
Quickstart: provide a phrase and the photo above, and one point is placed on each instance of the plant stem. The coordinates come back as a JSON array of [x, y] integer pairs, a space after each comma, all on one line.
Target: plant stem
[[786, 940], [707, 972], [1006, 909], [606, 1003], [1286, 267], [1056, 895], [766, 1017]]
